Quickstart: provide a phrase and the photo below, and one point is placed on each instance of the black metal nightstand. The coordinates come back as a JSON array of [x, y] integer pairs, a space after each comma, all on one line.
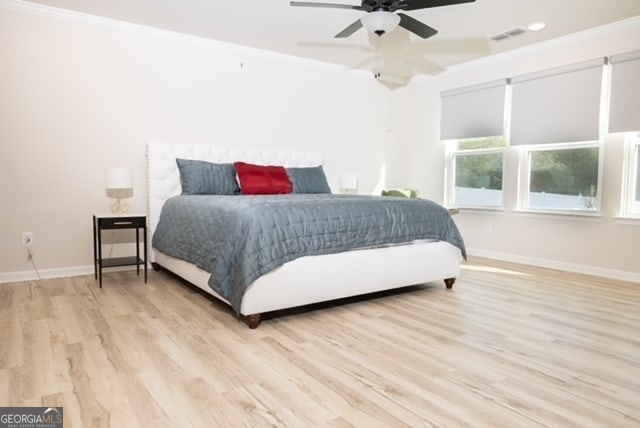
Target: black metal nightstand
[[106, 222]]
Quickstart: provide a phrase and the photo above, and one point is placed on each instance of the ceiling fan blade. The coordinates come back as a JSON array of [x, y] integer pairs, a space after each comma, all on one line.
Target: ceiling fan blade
[[425, 4], [416, 27], [349, 30], [329, 5]]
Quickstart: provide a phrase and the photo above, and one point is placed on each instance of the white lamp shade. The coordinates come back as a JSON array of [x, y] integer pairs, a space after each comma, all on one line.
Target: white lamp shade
[[380, 22], [119, 178]]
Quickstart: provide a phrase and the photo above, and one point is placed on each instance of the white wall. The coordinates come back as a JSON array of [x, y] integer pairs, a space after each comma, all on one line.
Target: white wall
[[78, 95], [605, 246]]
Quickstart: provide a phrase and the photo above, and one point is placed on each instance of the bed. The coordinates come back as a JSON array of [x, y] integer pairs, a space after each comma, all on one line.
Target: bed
[[299, 280]]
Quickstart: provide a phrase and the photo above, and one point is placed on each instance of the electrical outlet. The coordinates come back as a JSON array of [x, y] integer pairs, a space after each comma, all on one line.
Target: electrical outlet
[[27, 239]]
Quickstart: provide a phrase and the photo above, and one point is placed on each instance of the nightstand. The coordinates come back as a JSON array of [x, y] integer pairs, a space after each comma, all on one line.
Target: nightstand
[[109, 222]]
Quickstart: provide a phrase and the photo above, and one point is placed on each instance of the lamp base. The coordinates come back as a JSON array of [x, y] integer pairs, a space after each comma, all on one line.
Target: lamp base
[[349, 191], [119, 206]]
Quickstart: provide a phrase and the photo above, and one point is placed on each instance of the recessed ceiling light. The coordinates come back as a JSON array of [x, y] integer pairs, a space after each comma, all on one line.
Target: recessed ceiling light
[[537, 26]]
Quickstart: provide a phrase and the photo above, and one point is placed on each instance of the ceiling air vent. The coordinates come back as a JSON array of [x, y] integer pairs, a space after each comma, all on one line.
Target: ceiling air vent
[[514, 32], [507, 34], [498, 37]]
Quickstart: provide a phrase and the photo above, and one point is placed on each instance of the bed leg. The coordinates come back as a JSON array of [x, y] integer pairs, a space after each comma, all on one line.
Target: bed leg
[[253, 321], [449, 282], [156, 267]]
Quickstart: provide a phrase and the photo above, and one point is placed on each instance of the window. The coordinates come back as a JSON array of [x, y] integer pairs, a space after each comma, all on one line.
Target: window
[[561, 177], [473, 122], [625, 79], [625, 117], [559, 105], [476, 172], [555, 120], [631, 193], [557, 124]]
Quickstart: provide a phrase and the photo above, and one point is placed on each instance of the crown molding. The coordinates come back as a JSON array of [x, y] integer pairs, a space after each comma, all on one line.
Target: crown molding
[[584, 35], [109, 23]]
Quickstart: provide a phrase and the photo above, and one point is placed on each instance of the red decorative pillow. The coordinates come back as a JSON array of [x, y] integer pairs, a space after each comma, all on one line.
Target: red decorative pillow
[[262, 180]]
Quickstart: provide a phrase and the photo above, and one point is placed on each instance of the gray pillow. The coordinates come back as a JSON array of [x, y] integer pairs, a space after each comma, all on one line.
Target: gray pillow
[[308, 180], [206, 178]]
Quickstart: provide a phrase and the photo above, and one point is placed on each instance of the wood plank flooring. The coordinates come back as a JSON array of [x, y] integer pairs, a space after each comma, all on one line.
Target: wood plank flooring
[[508, 346]]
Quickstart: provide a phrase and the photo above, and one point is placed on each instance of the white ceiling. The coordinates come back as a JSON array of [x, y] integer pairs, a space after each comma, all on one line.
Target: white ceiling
[[308, 32]]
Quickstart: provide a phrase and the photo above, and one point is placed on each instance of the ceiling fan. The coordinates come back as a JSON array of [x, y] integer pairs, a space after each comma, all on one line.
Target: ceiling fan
[[380, 17]]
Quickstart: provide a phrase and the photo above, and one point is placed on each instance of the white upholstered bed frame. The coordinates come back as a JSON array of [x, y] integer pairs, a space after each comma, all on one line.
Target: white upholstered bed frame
[[305, 280]]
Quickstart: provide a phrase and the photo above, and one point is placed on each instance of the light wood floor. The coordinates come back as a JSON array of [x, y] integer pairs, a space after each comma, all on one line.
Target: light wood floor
[[508, 346]]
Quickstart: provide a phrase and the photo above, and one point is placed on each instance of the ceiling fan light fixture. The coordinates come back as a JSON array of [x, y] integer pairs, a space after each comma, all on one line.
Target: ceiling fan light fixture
[[380, 22]]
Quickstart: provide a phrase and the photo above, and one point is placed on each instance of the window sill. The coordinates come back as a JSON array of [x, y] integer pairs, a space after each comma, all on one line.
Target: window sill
[[591, 216], [634, 221], [478, 209]]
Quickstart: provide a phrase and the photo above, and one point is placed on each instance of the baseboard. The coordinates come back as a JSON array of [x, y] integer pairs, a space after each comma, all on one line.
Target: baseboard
[[556, 264], [31, 275]]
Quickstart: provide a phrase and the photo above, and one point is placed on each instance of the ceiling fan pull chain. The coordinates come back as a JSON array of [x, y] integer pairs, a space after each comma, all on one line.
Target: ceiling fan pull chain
[[378, 58]]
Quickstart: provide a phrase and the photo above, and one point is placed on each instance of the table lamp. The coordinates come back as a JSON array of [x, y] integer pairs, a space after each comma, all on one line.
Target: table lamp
[[349, 184], [119, 187]]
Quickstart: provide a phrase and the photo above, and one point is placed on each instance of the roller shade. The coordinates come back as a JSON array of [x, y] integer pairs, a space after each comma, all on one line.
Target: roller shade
[[624, 108], [473, 111], [559, 105]]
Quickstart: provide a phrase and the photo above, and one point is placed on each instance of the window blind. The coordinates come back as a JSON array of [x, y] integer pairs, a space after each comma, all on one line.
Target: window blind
[[559, 105], [473, 111], [624, 107]]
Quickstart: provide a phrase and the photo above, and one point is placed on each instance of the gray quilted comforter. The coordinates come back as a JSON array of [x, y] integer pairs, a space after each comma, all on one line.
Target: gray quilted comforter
[[240, 238]]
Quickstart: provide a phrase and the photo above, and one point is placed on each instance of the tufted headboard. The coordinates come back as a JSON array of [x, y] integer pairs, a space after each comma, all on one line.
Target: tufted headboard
[[163, 178]]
